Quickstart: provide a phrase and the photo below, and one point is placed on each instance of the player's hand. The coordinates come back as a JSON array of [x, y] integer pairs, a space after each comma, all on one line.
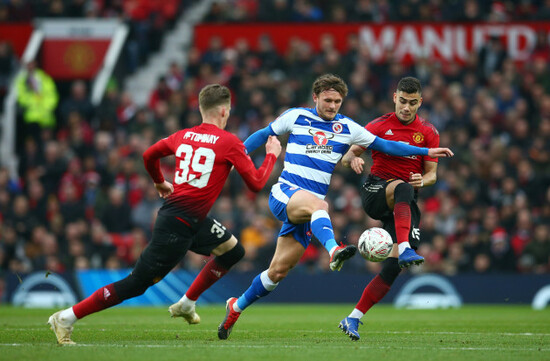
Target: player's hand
[[416, 180], [440, 152], [165, 189], [357, 164], [273, 146]]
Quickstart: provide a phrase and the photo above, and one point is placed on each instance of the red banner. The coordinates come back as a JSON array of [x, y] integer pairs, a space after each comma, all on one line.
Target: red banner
[[73, 58], [17, 35], [437, 41]]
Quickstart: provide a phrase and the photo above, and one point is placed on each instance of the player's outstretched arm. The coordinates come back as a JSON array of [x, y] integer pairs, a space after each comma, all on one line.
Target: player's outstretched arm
[[258, 138], [401, 149], [440, 152], [352, 159], [254, 178]]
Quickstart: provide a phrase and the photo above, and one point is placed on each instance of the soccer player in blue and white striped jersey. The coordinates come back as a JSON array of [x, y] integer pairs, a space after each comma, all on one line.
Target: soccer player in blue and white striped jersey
[[318, 139]]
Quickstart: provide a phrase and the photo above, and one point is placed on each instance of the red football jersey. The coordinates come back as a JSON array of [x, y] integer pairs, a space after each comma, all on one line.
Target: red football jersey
[[419, 133], [204, 156]]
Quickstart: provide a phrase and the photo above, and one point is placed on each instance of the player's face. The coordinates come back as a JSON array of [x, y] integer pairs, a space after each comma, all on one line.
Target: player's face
[[406, 105], [328, 103]]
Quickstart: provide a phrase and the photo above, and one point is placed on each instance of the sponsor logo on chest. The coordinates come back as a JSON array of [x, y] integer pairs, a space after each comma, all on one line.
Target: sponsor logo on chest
[[320, 139]]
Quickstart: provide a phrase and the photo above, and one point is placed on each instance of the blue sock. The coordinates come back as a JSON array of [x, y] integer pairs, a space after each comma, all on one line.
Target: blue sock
[[261, 286], [322, 229]]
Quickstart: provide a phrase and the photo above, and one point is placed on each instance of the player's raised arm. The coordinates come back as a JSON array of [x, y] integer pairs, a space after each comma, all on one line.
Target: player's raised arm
[[258, 138], [352, 159], [401, 149]]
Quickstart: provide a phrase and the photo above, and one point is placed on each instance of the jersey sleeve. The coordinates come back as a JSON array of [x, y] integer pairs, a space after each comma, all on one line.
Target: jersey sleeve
[[284, 122], [151, 158], [360, 136], [254, 178]]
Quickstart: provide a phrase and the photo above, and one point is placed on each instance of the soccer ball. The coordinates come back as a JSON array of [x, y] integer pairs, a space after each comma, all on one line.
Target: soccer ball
[[375, 244]]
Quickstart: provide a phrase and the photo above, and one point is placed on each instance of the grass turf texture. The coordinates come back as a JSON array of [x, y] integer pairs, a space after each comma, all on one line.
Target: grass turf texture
[[284, 332]]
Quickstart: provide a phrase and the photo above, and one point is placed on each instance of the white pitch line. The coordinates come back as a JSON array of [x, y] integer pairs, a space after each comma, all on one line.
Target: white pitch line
[[222, 344]]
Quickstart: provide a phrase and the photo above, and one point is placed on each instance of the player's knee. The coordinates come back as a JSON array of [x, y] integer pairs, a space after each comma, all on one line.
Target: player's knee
[[277, 273], [131, 287], [390, 270], [404, 192], [322, 205], [229, 258]]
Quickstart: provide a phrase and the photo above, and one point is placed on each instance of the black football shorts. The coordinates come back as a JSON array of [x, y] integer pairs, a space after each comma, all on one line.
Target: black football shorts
[[172, 238], [373, 198]]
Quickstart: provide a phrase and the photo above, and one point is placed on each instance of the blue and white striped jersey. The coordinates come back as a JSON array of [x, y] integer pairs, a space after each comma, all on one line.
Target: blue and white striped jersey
[[315, 146]]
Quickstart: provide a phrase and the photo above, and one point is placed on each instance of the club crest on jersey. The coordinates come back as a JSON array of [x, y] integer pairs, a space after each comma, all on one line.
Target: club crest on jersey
[[418, 137], [337, 128], [321, 140]]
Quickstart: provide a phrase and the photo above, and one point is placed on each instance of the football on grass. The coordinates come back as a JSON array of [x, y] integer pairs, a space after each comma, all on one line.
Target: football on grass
[[375, 244]]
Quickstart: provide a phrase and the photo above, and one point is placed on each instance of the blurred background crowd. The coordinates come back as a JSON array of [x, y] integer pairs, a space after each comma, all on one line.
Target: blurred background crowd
[[83, 199]]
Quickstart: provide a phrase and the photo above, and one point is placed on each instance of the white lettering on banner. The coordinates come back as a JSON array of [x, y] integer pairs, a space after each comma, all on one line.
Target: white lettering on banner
[[515, 34], [452, 42], [407, 298]]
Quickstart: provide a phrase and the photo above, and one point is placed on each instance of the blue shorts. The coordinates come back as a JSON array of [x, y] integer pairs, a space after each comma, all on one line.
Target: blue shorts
[[278, 200]]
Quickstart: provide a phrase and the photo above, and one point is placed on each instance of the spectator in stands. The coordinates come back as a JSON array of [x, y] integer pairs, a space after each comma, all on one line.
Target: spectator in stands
[[491, 57], [37, 96], [79, 102], [8, 65]]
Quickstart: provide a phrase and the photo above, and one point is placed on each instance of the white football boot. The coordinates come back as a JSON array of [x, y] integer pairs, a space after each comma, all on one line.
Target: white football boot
[[190, 316], [62, 330]]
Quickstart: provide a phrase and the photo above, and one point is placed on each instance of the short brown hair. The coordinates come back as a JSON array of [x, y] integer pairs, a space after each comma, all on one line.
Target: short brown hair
[[213, 95], [330, 81]]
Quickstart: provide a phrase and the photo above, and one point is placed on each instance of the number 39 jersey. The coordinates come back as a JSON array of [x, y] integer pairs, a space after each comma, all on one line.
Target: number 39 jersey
[[204, 156]]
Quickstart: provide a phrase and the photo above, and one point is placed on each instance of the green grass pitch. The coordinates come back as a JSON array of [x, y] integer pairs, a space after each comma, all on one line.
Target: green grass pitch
[[285, 332]]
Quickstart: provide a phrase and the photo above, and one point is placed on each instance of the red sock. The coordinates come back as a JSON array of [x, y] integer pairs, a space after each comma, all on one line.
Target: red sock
[[210, 273], [374, 292], [402, 217], [101, 299]]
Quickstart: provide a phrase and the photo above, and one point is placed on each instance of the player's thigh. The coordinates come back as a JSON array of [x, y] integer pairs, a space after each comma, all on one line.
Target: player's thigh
[[225, 246], [390, 192], [301, 206], [287, 255], [211, 235], [373, 198], [168, 245]]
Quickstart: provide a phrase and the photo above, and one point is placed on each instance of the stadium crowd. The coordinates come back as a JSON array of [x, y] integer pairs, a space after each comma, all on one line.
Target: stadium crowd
[[83, 199]]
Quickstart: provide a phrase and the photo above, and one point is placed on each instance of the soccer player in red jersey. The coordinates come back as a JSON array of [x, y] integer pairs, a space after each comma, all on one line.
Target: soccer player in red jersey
[[204, 156], [391, 190]]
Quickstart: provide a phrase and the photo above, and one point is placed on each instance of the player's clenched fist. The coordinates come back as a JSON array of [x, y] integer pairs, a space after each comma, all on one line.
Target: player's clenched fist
[[273, 146], [165, 189]]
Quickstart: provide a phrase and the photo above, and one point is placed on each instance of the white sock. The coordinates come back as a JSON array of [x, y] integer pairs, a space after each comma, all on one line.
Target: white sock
[[332, 251], [236, 308], [68, 316], [402, 246], [186, 303], [356, 314]]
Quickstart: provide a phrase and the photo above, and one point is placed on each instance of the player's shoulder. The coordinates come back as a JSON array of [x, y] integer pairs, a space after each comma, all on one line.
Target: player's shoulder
[[427, 126], [382, 118]]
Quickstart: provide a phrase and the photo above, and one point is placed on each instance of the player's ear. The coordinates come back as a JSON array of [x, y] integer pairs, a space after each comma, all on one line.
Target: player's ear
[[314, 97], [395, 97]]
